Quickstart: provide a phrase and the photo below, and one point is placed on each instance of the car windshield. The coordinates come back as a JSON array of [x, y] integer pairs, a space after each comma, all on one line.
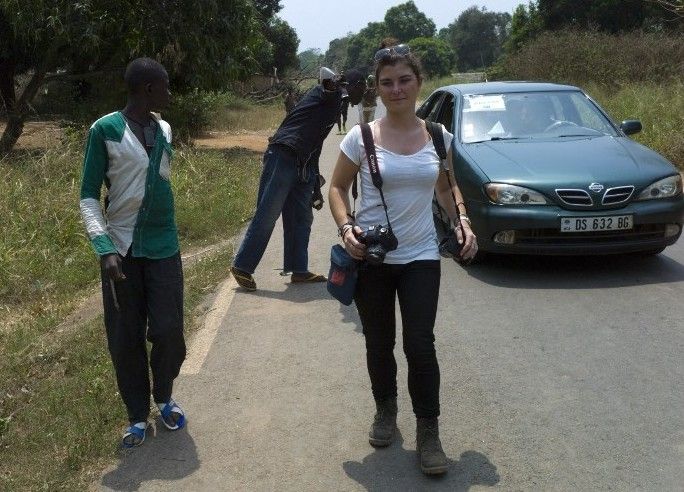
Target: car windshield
[[528, 115]]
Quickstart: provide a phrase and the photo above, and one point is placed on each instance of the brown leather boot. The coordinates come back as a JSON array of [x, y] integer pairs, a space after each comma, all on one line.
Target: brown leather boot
[[433, 461], [384, 423]]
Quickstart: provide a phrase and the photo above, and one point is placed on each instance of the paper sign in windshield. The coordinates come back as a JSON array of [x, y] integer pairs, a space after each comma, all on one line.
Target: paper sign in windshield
[[486, 103]]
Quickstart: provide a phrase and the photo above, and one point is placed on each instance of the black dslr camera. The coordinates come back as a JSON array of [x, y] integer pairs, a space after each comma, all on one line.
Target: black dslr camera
[[378, 240]]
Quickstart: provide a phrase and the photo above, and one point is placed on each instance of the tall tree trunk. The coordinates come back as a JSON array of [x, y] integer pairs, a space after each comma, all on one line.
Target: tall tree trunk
[[17, 113]]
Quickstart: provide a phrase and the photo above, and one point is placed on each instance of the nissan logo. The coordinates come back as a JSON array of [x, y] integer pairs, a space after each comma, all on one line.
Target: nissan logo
[[596, 187]]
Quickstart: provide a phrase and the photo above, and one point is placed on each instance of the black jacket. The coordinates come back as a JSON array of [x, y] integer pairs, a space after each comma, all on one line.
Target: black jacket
[[308, 124]]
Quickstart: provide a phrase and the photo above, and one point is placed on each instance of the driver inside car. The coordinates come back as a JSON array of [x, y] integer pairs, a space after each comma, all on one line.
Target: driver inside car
[[528, 117]]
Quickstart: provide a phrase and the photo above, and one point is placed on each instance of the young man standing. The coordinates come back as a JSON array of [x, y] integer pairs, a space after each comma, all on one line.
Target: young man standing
[[290, 177], [137, 242]]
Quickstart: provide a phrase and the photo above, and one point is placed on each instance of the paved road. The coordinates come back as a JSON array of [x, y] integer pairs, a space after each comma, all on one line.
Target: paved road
[[557, 374]]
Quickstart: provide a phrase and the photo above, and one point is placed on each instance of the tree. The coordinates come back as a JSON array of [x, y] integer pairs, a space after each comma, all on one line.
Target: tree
[[362, 46], [280, 51], [477, 36], [309, 62], [284, 44], [336, 55], [526, 24], [435, 55], [605, 15], [267, 8], [406, 22], [201, 47]]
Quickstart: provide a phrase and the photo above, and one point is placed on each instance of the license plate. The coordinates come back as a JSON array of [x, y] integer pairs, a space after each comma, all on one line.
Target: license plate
[[591, 224]]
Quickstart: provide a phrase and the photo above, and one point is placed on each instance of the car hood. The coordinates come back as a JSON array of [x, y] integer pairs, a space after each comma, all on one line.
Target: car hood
[[571, 161]]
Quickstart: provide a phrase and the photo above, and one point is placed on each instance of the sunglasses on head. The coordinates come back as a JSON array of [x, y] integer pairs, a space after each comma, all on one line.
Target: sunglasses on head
[[398, 50]]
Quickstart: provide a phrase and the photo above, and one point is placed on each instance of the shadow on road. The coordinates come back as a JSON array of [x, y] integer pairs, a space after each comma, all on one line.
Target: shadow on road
[[165, 456], [351, 315], [576, 272], [299, 293], [396, 468]]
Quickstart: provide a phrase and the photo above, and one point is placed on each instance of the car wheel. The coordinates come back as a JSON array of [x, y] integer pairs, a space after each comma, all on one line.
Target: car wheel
[[650, 252]]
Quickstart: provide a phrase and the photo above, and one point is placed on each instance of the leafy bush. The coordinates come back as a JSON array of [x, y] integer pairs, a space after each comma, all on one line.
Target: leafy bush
[[578, 57], [193, 113], [81, 101]]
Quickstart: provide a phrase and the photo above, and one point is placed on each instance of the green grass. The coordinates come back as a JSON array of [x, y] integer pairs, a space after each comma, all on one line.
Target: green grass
[[64, 423], [45, 258], [215, 193], [59, 411], [255, 117], [659, 107]]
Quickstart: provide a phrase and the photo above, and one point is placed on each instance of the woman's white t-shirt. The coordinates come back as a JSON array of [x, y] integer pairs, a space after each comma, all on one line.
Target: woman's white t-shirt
[[408, 186]]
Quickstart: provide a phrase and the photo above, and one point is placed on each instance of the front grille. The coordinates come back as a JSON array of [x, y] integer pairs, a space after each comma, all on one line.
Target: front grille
[[554, 236], [577, 198], [621, 194]]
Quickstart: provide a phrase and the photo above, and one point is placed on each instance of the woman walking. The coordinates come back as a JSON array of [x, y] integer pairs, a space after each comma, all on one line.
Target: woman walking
[[410, 170]]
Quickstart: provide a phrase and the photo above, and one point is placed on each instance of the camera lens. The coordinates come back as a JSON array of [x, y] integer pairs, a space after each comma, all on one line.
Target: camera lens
[[375, 255]]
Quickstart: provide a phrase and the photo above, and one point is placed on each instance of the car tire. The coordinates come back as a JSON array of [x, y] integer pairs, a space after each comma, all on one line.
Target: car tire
[[650, 252]]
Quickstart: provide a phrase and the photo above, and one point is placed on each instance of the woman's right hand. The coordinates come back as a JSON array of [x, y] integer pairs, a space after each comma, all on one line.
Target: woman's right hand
[[356, 249]]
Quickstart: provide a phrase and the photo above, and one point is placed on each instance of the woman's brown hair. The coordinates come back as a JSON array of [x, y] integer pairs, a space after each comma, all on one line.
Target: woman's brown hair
[[393, 59]]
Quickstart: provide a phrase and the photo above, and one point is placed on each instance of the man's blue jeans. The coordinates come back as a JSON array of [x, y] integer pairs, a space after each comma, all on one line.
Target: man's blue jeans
[[281, 190]]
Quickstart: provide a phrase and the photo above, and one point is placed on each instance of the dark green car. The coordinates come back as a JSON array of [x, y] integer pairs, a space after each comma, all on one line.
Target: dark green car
[[544, 170]]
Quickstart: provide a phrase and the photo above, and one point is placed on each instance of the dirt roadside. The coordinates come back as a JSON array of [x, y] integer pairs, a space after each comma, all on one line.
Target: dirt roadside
[[47, 134]]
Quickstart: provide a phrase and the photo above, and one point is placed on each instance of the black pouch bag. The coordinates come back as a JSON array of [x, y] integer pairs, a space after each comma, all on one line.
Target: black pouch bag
[[449, 247]]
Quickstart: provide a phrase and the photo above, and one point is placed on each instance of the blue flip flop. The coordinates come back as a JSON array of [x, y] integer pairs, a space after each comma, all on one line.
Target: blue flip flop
[[137, 435], [166, 410]]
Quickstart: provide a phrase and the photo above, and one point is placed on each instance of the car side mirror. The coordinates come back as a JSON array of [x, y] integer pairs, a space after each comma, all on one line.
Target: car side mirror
[[630, 127]]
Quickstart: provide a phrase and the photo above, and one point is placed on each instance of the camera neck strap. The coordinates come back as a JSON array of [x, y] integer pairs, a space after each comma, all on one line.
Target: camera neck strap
[[369, 145], [435, 131]]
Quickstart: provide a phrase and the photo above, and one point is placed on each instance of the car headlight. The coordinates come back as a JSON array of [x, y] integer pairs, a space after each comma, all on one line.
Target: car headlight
[[507, 194], [664, 188]]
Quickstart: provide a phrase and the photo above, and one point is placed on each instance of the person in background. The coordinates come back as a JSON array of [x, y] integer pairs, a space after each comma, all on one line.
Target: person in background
[[290, 99], [290, 179], [369, 101], [410, 169], [136, 239], [344, 109]]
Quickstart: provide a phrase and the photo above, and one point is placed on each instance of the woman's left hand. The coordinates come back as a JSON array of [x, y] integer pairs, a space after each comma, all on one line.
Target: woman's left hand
[[469, 243]]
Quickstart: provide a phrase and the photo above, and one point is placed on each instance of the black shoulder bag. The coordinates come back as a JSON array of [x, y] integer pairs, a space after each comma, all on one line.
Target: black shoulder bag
[[449, 247]]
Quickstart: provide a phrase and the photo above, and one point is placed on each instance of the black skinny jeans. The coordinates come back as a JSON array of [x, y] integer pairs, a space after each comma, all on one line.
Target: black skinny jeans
[[150, 309], [416, 284]]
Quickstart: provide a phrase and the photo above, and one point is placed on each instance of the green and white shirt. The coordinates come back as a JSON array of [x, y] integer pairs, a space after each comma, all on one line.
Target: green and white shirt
[[139, 212]]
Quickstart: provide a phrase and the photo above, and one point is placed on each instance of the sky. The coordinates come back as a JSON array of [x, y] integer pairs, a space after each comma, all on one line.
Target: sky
[[318, 22]]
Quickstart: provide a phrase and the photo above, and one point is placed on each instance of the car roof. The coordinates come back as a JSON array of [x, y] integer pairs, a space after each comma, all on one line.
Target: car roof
[[506, 87]]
